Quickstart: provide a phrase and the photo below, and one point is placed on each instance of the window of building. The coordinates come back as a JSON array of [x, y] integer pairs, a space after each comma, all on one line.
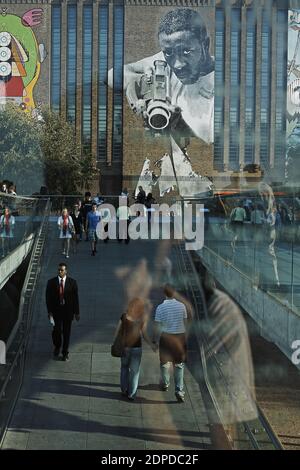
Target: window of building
[[102, 87], [55, 57], [250, 87], [219, 89], [87, 51], [265, 90], [71, 62], [234, 114], [118, 82]]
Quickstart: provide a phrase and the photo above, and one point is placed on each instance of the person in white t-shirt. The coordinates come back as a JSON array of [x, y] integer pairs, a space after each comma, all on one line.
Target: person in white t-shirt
[[170, 321]]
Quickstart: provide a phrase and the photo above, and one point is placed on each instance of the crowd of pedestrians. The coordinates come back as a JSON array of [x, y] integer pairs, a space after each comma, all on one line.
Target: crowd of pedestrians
[[81, 222]]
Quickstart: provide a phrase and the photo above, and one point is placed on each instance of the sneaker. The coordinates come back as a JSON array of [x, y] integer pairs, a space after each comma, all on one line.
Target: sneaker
[[180, 397], [164, 387], [65, 357], [130, 398], [67, 256], [63, 253]]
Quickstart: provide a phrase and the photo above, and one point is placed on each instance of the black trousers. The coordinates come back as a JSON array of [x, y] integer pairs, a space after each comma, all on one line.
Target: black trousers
[[123, 233], [61, 332]]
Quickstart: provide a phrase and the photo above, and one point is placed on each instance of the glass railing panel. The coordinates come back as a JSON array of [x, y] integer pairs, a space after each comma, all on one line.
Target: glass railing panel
[[265, 247]]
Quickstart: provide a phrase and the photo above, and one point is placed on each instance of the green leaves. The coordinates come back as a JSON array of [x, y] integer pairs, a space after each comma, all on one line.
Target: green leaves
[[20, 151], [42, 152]]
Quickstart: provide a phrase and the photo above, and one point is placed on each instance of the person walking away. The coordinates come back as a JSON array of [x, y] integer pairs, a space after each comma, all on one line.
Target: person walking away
[[86, 207], [66, 226], [63, 306], [134, 324], [171, 321], [237, 218], [148, 203], [258, 220], [141, 196], [123, 214]]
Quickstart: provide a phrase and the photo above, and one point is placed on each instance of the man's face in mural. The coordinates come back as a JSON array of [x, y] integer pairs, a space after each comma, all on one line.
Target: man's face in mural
[[185, 54]]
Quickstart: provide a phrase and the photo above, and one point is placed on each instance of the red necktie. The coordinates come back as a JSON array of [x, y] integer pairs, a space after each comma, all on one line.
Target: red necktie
[[61, 292]]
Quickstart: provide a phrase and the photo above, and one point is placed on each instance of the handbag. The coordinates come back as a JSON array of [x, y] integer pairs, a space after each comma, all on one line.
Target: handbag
[[117, 348]]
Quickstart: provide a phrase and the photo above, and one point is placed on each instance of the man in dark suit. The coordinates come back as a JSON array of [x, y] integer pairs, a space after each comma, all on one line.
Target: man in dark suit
[[63, 306]]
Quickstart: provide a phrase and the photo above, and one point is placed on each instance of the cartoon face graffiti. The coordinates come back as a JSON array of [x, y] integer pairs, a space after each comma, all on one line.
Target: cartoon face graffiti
[[20, 58]]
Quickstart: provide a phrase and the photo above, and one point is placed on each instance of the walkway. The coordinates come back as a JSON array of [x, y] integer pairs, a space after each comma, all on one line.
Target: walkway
[[77, 404]]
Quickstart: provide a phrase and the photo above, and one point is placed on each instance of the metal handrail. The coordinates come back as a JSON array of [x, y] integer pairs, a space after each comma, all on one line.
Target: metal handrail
[[16, 196], [23, 292]]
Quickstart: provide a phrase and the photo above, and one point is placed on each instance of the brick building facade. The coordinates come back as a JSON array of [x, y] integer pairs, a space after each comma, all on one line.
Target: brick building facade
[[82, 40]]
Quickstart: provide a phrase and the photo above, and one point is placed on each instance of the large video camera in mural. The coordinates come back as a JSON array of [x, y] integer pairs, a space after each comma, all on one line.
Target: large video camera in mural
[[153, 90], [20, 58], [169, 86]]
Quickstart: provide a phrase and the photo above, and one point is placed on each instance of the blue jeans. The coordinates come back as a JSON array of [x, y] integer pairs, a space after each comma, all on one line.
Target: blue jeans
[[178, 375], [130, 370]]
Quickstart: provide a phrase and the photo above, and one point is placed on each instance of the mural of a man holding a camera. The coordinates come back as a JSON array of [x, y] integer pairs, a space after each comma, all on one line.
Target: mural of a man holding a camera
[[189, 72], [173, 90]]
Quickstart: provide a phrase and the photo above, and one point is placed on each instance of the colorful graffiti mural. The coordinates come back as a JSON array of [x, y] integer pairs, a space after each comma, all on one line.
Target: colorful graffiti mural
[[20, 58]]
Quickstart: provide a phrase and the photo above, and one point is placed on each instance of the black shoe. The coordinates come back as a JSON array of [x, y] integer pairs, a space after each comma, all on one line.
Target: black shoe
[[65, 357], [164, 387], [56, 352], [93, 253], [130, 398]]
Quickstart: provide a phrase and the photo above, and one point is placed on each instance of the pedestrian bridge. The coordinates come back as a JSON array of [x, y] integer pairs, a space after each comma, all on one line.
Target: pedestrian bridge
[[51, 404]]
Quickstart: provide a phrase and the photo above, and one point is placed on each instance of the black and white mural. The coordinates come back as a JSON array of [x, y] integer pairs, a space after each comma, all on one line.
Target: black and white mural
[[169, 87]]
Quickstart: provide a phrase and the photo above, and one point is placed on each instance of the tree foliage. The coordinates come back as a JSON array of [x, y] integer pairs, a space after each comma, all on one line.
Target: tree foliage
[[35, 152], [21, 159], [61, 154]]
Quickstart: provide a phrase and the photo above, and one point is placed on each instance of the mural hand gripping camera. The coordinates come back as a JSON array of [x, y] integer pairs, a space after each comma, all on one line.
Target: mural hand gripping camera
[[154, 90], [154, 101], [20, 58]]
